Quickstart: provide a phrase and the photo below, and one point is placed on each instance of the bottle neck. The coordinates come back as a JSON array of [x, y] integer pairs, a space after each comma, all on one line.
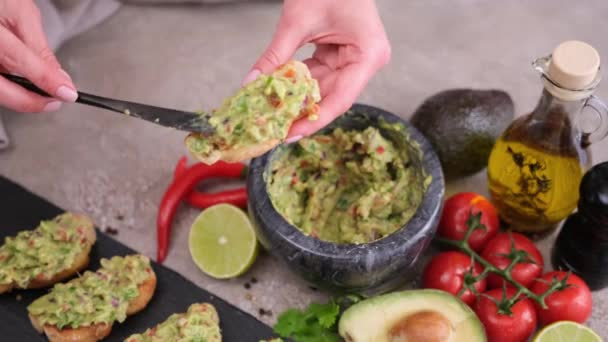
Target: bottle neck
[[552, 108]]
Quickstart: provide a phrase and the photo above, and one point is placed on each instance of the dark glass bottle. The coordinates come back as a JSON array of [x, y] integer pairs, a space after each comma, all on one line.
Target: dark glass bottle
[[582, 244]]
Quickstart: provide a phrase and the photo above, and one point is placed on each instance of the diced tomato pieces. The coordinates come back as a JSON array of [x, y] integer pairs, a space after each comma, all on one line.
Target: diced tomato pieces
[[260, 121], [63, 235], [294, 180], [275, 101], [380, 149], [323, 139], [290, 73]]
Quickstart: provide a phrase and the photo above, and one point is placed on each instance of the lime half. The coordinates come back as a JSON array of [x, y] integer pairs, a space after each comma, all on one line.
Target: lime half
[[567, 331], [222, 241]]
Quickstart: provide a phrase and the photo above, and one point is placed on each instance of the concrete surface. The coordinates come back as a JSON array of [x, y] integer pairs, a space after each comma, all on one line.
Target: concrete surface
[[191, 57]]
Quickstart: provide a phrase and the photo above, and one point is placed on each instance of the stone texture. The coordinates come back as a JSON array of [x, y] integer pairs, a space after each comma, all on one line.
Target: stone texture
[[369, 269], [191, 57]]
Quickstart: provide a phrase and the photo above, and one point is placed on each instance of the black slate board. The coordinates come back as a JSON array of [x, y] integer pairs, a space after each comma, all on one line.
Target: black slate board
[[21, 210]]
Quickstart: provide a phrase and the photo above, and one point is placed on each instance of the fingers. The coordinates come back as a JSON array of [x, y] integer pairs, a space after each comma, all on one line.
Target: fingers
[[317, 69], [349, 82], [16, 57], [29, 29], [21, 100], [285, 42]]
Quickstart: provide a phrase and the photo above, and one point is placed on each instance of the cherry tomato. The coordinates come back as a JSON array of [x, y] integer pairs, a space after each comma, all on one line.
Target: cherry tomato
[[498, 252], [572, 303], [456, 211], [447, 271], [500, 326]]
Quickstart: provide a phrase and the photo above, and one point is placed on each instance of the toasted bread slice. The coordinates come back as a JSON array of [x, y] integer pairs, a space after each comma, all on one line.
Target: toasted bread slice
[[97, 331], [266, 110], [238, 154], [200, 323], [80, 262]]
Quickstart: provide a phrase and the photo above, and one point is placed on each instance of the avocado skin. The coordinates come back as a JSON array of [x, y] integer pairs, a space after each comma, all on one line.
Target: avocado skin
[[463, 125], [372, 319]]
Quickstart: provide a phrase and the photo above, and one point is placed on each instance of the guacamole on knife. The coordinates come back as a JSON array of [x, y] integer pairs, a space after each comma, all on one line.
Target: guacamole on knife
[[259, 114], [347, 186]]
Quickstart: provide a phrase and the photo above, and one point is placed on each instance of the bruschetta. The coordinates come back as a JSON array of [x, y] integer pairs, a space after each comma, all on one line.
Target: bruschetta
[[85, 308], [259, 116], [56, 250], [200, 323]]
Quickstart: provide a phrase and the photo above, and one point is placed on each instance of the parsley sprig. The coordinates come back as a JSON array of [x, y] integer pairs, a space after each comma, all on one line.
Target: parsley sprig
[[316, 323]]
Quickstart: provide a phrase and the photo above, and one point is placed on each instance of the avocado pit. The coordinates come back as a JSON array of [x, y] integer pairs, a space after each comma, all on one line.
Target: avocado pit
[[422, 326]]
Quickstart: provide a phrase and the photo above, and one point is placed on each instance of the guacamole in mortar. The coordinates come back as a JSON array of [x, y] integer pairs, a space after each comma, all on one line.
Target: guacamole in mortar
[[347, 186]]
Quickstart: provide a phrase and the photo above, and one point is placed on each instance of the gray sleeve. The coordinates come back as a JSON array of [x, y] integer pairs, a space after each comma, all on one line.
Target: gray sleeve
[[64, 19]]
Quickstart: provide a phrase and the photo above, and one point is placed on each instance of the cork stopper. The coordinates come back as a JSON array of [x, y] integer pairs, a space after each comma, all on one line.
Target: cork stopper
[[574, 65]]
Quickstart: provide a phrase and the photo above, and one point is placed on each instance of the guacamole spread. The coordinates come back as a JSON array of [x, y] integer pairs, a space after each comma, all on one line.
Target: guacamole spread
[[261, 111], [45, 251], [200, 324], [95, 297], [347, 186]]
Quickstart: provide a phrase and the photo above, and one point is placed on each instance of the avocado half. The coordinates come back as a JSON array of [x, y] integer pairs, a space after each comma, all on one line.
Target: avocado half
[[414, 315]]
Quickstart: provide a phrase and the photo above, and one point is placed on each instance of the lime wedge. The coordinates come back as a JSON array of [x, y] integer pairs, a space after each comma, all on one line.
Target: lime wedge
[[222, 241], [566, 331]]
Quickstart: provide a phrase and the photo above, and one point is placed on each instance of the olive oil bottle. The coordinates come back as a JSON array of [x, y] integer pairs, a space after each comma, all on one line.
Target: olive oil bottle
[[536, 166]]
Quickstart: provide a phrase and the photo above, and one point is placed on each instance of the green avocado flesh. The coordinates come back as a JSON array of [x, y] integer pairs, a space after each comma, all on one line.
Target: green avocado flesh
[[262, 110], [95, 297], [346, 186], [403, 316], [199, 324], [43, 252]]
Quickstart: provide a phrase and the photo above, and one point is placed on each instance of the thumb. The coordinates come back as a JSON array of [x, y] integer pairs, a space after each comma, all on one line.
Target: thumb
[[285, 42]]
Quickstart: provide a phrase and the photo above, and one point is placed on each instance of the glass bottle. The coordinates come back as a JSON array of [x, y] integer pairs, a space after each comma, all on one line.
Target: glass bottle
[[582, 243], [535, 167]]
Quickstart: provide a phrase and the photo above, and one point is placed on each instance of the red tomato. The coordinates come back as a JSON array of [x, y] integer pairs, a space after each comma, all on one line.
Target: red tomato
[[500, 327], [498, 253], [572, 303], [456, 211], [446, 272]]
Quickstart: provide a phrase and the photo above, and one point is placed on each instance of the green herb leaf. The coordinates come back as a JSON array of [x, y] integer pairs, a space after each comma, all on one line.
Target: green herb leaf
[[326, 314], [290, 322], [315, 324]]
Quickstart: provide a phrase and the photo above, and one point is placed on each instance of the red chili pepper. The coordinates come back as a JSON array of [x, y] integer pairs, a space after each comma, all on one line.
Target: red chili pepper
[[181, 187], [198, 199]]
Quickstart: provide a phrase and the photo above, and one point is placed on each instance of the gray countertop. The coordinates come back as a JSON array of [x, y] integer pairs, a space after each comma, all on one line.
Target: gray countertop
[[115, 168]]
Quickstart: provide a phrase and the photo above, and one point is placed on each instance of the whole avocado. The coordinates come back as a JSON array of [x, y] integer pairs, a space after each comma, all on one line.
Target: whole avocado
[[462, 125]]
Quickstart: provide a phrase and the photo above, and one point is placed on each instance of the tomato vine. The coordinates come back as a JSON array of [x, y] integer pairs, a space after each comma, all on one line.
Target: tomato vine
[[516, 256]]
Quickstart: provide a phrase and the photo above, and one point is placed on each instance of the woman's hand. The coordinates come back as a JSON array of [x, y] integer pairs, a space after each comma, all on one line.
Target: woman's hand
[[24, 51], [351, 46]]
